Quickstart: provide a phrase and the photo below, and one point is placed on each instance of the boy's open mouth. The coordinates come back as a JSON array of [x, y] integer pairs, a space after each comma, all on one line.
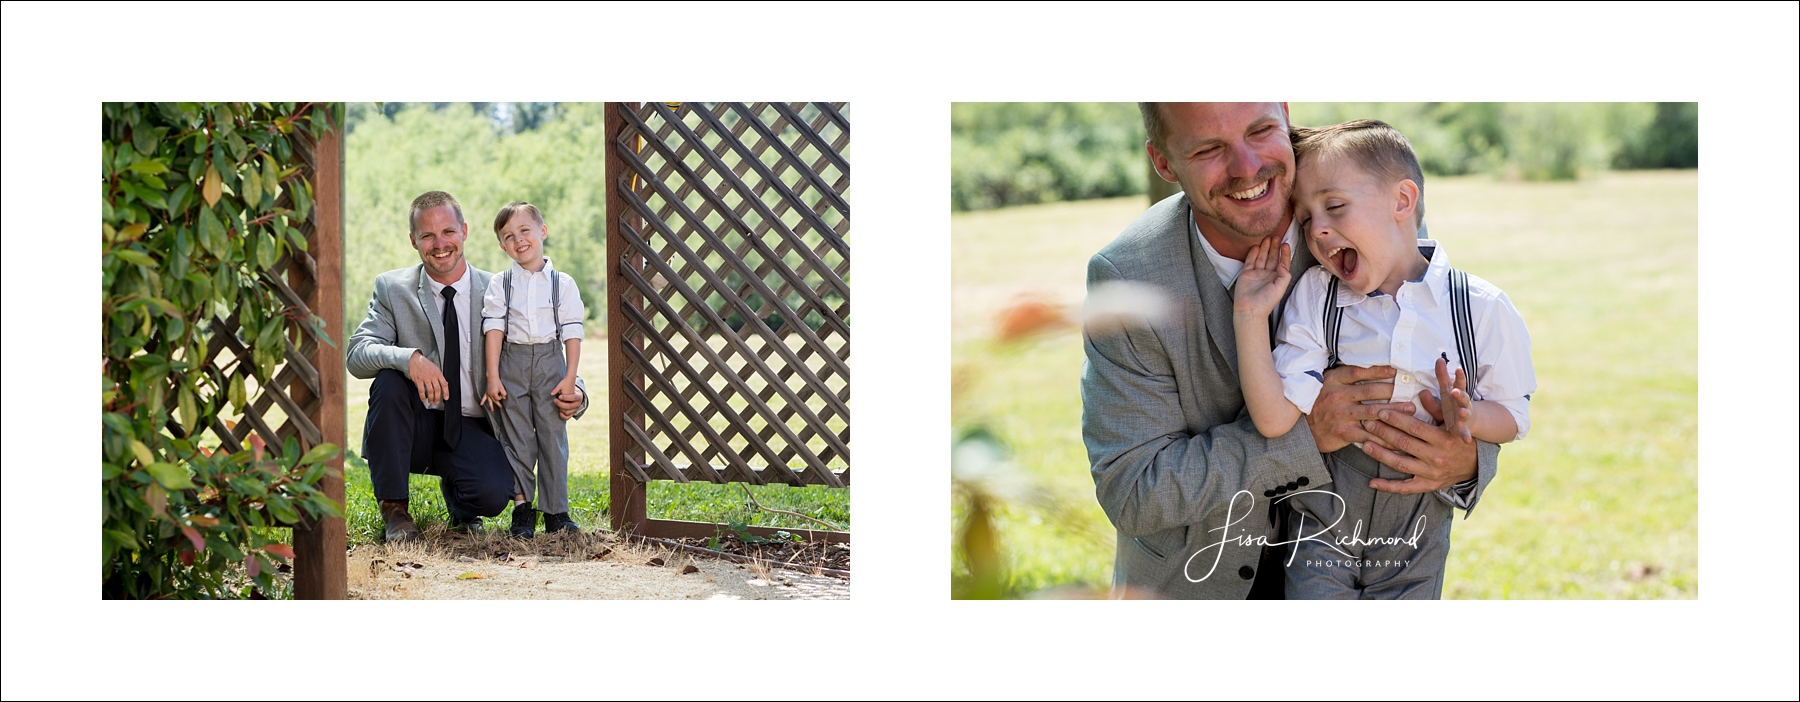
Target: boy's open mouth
[[1343, 258]]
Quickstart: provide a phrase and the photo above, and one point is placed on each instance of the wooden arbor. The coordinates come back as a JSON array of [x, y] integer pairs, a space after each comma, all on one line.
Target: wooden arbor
[[305, 397], [728, 333]]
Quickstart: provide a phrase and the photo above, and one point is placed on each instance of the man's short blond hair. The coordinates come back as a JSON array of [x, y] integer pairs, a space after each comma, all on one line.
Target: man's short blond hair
[[1154, 129], [1371, 144], [430, 200], [507, 212]]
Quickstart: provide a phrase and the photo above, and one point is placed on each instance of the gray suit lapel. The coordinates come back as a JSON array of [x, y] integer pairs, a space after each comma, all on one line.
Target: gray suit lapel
[[1215, 301], [426, 308], [1303, 261], [478, 282]]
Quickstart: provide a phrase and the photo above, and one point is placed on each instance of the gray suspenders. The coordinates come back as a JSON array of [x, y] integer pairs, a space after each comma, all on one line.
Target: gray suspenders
[[1461, 321], [555, 303]]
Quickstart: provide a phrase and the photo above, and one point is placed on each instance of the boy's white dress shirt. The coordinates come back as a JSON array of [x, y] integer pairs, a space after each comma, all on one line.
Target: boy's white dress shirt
[[1408, 331], [532, 319]]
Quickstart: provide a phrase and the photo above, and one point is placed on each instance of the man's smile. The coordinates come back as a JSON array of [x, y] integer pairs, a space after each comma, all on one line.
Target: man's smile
[[1254, 192]]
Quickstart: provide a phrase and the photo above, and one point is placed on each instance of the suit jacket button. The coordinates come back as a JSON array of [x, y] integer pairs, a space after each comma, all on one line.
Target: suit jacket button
[[1279, 489], [1247, 572], [1295, 485], [1302, 480], [1268, 493]]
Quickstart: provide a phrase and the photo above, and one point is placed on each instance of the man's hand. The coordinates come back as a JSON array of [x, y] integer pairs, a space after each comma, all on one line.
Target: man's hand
[[1440, 457], [569, 402], [1338, 414], [425, 374]]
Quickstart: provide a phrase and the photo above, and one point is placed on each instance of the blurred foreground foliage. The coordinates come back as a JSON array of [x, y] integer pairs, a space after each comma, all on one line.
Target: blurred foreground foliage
[[1023, 153], [198, 202]]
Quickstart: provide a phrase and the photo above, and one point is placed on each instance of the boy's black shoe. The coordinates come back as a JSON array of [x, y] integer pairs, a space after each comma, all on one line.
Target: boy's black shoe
[[560, 522], [524, 520]]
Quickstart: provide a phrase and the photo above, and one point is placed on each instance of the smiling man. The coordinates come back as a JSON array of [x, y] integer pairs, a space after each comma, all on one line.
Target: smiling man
[[1178, 465], [420, 344]]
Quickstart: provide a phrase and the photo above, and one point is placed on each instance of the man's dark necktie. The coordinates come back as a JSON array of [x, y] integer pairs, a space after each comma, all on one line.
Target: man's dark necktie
[[452, 370]]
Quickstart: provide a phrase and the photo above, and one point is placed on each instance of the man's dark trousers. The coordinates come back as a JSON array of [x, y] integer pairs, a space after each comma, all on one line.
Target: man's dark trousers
[[402, 437]]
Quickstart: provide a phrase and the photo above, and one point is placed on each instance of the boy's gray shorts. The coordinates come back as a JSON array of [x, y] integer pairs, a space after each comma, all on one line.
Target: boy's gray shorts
[[1379, 545], [530, 427]]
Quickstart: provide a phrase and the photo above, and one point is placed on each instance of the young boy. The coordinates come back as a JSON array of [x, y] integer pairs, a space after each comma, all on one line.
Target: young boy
[[532, 308], [1379, 296]]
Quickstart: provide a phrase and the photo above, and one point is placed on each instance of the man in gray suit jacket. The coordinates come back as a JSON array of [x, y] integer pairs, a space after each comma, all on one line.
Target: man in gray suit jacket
[[421, 342], [1178, 466]]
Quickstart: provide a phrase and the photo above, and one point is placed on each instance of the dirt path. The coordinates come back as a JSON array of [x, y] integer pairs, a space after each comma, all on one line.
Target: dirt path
[[491, 566]]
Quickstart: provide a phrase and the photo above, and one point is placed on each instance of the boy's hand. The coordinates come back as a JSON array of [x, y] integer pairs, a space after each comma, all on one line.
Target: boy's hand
[[495, 393], [1461, 410], [564, 388], [568, 404], [1264, 278]]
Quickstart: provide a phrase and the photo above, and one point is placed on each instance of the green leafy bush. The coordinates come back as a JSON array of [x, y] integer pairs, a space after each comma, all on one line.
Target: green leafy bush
[[1020, 153], [198, 202]]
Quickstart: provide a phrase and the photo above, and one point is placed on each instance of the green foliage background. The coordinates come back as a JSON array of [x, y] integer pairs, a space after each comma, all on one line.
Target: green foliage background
[[1023, 153], [1029, 152], [487, 155], [198, 202]]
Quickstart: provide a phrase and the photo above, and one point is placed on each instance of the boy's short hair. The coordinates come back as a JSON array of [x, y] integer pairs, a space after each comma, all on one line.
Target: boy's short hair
[[507, 212], [1371, 144], [435, 198]]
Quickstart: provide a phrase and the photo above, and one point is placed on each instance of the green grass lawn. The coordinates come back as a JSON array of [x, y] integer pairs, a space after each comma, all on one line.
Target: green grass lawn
[[1599, 501], [588, 479]]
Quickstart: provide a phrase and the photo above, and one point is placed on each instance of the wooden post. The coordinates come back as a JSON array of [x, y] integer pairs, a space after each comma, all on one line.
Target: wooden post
[[319, 562], [629, 496]]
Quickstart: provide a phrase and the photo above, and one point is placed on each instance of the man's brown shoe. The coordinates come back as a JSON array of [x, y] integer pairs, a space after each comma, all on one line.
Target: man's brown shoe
[[399, 522]]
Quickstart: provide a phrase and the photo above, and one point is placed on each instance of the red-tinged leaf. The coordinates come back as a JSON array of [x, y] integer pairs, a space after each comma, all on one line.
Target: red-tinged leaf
[[252, 565], [283, 550], [256, 447], [1029, 317], [202, 520], [187, 558], [195, 537]]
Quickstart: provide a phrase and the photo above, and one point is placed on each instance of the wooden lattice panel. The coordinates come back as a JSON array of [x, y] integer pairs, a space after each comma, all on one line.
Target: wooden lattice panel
[[733, 303], [291, 402]]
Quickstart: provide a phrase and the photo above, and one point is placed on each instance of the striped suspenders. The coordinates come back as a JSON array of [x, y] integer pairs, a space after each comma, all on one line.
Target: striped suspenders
[[1464, 324], [1461, 319]]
